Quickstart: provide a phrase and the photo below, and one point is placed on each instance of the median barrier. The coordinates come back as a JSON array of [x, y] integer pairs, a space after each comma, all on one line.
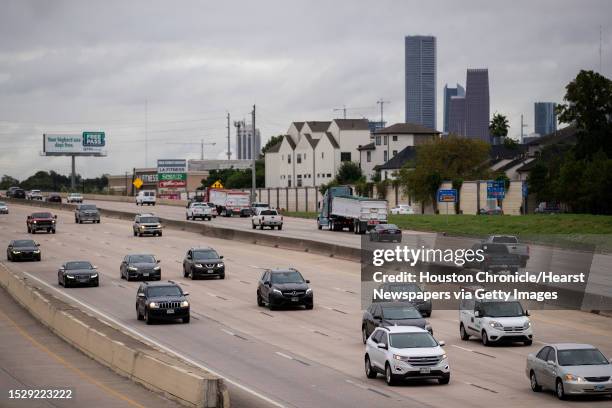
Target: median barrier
[[123, 353]]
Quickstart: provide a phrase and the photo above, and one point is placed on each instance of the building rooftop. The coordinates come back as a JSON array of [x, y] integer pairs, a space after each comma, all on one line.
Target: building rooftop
[[399, 160], [352, 124], [407, 128], [369, 146], [332, 140], [318, 126]]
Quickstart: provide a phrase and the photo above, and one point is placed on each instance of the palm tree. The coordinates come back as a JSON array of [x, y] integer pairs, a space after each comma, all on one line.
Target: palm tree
[[499, 126]]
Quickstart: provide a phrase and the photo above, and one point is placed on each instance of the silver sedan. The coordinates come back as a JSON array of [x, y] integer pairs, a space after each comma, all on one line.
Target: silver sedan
[[570, 369]]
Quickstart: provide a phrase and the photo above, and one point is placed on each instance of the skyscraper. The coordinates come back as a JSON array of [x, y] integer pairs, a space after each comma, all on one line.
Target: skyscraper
[[420, 64], [456, 116], [545, 117], [477, 104], [448, 94], [244, 141]]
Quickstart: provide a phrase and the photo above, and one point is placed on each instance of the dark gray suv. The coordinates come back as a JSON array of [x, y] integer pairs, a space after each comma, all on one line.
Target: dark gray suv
[[86, 212]]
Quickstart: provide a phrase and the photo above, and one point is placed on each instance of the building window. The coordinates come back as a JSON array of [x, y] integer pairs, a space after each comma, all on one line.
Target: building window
[[368, 156], [299, 158], [318, 175], [299, 182], [386, 174], [395, 138], [377, 140], [345, 156], [386, 140], [289, 158], [322, 155], [385, 156], [328, 175], [304, 156], [289, 183], [394, 153]]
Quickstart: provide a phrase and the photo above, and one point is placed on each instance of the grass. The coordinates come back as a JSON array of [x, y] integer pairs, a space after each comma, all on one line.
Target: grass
[[558, 229]]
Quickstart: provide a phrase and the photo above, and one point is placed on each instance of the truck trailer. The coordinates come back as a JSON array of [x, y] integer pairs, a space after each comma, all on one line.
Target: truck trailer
[[340, 209], [230, 202]]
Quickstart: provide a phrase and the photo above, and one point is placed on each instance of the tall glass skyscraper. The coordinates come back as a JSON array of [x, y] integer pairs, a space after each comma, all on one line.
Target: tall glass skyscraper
[[448, 94], [477, 110], [420, 90], [545, 117]]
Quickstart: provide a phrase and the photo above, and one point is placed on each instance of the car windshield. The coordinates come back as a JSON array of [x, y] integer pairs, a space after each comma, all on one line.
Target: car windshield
[[287, 277], [78, 265], [23, 243], [206, 254], [502, 309], [75, 195], [388, 226], [197, 205], [158, 291], [88, 207], [268, 212], [142, 259], [505, 240], [580, 357], [2, 203], [210, 205], [401, 313], [412, 340], [149, 220], [42, 215]]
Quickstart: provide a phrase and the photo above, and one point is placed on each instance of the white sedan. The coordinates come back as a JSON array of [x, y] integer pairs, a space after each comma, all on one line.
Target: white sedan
[[402, 209]]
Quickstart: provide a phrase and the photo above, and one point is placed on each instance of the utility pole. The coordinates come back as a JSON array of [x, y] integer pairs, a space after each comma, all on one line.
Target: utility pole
[[229, 151], [73, 175], [202, 144], [146, 133], [253, 154], [381, 102], [343, 109], [600, 42], [523, 125]]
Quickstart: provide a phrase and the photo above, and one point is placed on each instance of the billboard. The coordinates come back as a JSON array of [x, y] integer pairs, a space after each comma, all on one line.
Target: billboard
[[171, 178], [84, 144]]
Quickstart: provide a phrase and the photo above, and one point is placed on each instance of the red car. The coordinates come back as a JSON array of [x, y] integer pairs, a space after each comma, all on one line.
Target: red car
[[44, 221]]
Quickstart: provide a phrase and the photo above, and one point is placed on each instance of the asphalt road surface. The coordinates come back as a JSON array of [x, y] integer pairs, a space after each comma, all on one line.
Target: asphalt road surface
[[292, 358]]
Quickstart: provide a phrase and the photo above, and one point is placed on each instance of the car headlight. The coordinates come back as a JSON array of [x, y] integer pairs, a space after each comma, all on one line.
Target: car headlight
[[496, 325], [95, 275], [572, 377], [153, 305], [142, 227], [220, 265], [16, 252], [157, 268], [158, 226], [70, 276], [400, 358], [527, 325], [52, 221], [443, 357], [184, 303], [277, 291], [33, 222], [37, 251], [308, 291], [198, 265], [131, 268]]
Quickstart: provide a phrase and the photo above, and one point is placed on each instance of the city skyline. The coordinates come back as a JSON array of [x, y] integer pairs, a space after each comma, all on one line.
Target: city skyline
[[421, 69], [545, 118]]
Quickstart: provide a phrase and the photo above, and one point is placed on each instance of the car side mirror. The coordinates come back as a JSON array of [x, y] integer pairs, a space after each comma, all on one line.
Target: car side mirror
[[55, 217], [442, 343], [527, 313], [141, 295], [185, 293], [37, 244], [221, 257], [62, 269], [94, 267], [267, 283], [307, 280], [158, 261], [189, 257], [382, 346], [377, 317], [29, 217], [477, 313]]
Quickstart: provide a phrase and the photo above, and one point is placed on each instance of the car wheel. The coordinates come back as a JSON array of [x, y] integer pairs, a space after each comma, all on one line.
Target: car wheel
[[444, 380], [134, 233], [138, 315], [32, 230], [80, 221], [309, 307], [464, 335], [140, 234], [222, 276], [369, 371], [186, 319], [364, 335], [187, 217], [53, 231], [184, 272], [485, 339], [76, 221], [535, 387], [260, 302], [528, 342], [147, 318], [38, 258], [254, 226], [560, 391], [160, 234], [389, 376]]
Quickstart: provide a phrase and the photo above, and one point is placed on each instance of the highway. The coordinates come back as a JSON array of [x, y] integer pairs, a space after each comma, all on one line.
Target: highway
[[292, 358]]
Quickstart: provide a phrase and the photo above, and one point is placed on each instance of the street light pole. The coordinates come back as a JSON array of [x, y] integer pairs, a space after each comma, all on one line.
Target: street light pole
[[253, 155]]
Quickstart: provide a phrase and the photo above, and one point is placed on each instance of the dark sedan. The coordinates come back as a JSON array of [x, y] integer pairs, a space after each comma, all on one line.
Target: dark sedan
[[140, 267], [78, 273], [284, 287], [386, 233], [54, 198], [23, 250], [399, 290], [391, 314], [203, 262]]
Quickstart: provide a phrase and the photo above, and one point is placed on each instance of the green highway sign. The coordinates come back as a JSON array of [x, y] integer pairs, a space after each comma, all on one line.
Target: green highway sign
[[172, 176], [94, 139]]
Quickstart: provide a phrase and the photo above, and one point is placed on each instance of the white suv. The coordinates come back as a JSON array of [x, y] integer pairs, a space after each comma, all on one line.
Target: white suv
[[495, 321], [405, 352]]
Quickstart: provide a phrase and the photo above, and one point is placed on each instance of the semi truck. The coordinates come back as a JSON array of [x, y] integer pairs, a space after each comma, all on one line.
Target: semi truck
[[340, 209], [230, 202]]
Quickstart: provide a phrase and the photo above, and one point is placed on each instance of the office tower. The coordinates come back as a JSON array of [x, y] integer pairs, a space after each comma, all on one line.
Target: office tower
[[477, 104], [244, 141], [456, 116], [448, 94], [420, 65], [545, 118]]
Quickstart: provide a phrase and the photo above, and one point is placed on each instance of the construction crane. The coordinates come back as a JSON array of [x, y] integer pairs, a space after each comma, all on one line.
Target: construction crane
[[344, 109], [201, 143]]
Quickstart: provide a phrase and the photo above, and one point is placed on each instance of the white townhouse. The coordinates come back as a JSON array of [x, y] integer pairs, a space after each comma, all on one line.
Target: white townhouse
[[311, 152]]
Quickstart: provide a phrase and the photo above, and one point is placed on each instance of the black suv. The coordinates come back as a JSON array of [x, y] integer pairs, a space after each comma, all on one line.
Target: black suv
[[147, 224], [203, 262], [16, 192], [284, 287], [140, 266], [391, 314], [23, 250], [161, 301]]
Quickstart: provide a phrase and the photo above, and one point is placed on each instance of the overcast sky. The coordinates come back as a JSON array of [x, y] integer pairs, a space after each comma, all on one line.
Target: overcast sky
[[69, 66]]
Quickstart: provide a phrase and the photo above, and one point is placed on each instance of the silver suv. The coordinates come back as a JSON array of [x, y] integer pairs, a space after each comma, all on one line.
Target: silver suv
[[86, 212], [147, 224]]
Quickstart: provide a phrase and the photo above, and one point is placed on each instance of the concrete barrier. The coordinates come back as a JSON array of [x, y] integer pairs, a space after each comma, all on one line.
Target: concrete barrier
[[123, 353]]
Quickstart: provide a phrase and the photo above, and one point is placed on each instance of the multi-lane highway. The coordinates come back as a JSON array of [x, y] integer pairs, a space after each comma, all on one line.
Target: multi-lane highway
[[293, 358]]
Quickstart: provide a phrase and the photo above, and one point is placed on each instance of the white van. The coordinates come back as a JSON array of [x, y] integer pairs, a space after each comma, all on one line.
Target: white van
[[494, 321], [145, 197]]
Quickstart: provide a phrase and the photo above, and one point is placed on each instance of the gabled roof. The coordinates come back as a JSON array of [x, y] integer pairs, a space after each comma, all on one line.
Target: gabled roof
[[407, 128], [313, 142], [332, 140], [275, 147], [352, 124], [528, 167], [567, 134], [318, 126], [290, 141], [397, 162], [298, 125], [369, 146]]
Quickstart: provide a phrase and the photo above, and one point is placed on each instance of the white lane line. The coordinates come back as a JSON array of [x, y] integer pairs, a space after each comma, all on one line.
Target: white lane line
[[363, 387], [228, 332], [284, 355], [462, 348], [158, 344]]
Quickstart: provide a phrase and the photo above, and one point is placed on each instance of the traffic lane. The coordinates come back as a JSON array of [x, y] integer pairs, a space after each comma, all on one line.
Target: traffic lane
[[348, 358], [32, 357]]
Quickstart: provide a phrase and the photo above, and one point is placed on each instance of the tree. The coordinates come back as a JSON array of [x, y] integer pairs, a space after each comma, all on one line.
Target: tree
[[237, 178], [8, 181], [271, 142], [349, 173], [499, 125], [589, 107]]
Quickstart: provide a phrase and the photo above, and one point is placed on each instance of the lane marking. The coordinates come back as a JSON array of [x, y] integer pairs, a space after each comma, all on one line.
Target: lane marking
[[292, 358], [228, 332], [321, 333], [283, 355], [267, 314], [66, 364], [473, 351], [462, 348], [160, 345], [483, 388], [245, 282], [379, 392]]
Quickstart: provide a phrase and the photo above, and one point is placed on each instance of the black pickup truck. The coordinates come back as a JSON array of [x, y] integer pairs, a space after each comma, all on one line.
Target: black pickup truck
[[497, 258]]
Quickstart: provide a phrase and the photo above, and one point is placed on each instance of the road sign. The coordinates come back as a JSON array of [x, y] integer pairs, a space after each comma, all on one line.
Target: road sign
[[137, 183], [172, 176], [496, 189], [217, 184], [525, 190], [85, 144], [94, 139], [447, 196]]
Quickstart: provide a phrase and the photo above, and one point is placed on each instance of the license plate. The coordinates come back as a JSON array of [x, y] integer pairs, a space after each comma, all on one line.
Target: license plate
[[425, 370], [145, 274], [210, 271], [294, 299], [170, 311], [599, 388]]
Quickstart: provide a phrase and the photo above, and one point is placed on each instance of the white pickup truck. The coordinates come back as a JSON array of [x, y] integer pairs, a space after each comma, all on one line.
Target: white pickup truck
[[199, 210], [514, 247], [34, 195], [266, 217]]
